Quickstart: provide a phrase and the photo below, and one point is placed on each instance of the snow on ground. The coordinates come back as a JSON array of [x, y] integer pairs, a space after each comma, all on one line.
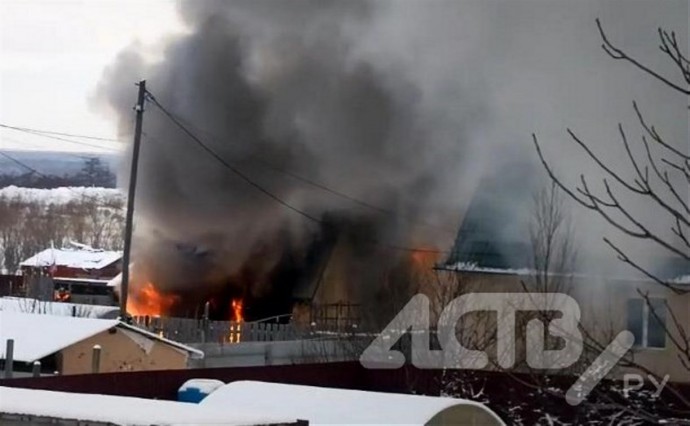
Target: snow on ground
[[35, 306], [126, 410], [61, 195]]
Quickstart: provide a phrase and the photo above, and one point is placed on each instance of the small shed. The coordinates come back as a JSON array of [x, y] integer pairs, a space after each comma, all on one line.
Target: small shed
[[320, 405], [65, 344]]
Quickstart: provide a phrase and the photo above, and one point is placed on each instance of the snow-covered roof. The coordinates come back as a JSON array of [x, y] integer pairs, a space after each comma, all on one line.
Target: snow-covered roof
[[34, 306], [37, 336], [116, 281], [122, 410], [473, 267], [340, 406], [78, 256], [682, 280], [80, 280]]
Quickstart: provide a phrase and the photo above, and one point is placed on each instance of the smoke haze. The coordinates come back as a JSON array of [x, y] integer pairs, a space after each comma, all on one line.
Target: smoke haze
[[403, 105]]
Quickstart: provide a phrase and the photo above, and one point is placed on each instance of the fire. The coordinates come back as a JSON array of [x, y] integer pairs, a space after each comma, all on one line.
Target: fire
[[237, 308], [147, 300], [425, 256], [62, 295], [237, 317]]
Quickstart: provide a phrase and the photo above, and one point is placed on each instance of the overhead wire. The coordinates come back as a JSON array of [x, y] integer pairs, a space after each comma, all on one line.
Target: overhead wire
[[178, 122], [50, 132], [229, 166], [39, 148], [51, 135], [315, 184]]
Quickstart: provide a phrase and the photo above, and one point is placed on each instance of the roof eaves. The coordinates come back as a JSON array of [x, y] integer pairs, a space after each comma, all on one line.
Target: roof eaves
[[195, 353]]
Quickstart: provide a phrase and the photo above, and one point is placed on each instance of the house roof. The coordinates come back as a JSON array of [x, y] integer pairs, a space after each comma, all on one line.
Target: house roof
[[494, 231], [321, 405], [26, 305], [76, 256], [122, 410], [93, 281], [37, 336]]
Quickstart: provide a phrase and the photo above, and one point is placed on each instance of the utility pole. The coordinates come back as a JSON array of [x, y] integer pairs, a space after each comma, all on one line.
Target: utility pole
[[124, 286]]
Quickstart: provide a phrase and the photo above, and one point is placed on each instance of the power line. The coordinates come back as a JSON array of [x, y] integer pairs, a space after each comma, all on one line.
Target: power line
[[50, 136], [318, 185], [228, 165], [196, 139], [39, 149], [50, 132]]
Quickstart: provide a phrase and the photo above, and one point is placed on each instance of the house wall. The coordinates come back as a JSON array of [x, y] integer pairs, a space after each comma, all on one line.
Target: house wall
[[119, 352], [603, 306]]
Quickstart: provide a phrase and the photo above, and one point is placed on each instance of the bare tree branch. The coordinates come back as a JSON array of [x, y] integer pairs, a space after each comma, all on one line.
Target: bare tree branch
[[619, 54]]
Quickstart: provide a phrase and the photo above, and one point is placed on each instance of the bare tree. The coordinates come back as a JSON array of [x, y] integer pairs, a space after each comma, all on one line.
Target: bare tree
[[29, 226], [553, 251], [661, 177], [10, 235]]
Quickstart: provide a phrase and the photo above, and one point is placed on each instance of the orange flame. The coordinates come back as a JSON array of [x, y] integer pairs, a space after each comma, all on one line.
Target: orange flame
[[237, 310], [425, 256], [237, 307], [62, 295], [147, 300]]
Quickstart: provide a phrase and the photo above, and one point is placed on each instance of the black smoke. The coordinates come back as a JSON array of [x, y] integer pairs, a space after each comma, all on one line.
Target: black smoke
[[402, 105], [275, 87]]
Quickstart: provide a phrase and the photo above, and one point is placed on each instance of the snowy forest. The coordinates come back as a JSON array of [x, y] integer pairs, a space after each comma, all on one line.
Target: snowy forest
[[32, 220]]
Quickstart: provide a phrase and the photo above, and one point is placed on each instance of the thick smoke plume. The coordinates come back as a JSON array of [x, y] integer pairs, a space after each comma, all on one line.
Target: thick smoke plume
[[402, 105]]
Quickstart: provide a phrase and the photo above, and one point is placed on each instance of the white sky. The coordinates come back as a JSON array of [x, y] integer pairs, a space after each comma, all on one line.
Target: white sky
[[52, 54]]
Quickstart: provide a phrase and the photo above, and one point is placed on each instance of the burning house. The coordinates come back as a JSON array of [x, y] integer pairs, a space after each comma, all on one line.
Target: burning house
[[331, 166]]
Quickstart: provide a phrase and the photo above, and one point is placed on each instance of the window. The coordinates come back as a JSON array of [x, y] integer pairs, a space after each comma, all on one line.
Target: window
[[647, 321]]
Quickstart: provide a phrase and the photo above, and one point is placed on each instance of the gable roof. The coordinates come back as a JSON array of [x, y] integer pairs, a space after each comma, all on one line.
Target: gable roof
[[76, 256], [494, 232], [37, 336]]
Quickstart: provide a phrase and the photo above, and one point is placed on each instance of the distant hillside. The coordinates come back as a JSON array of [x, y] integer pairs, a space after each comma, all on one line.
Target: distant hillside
[[64, 169], [52, 162]]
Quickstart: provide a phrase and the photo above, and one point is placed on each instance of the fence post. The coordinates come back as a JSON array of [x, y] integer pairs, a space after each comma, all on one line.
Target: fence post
[[9, 358], [36, 369], [268, 353], [96, 359], [204, 322]]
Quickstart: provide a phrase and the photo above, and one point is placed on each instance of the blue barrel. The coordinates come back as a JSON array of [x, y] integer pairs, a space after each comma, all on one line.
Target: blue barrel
[[195, 390]]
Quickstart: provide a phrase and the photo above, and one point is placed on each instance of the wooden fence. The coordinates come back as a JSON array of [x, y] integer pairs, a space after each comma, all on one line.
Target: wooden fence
[[188, 330]]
